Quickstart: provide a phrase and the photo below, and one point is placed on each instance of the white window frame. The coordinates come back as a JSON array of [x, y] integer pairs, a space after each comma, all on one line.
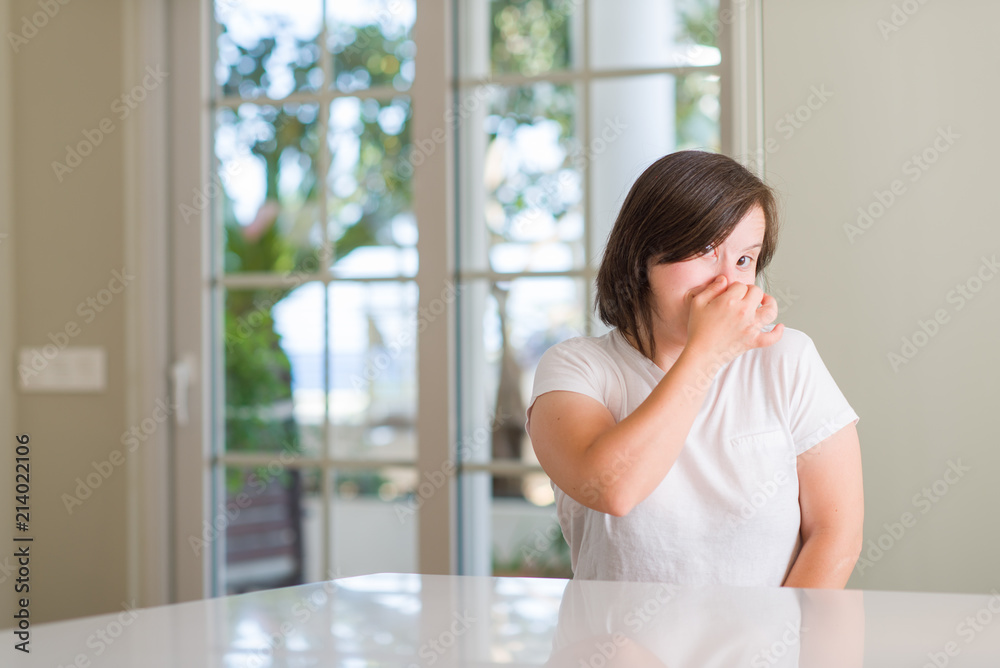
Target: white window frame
[[193, 288], [190, 288]]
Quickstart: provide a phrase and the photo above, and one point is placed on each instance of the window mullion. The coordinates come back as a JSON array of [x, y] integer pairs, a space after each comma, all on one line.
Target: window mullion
[[433, 207], [326, 473], [584, 128]]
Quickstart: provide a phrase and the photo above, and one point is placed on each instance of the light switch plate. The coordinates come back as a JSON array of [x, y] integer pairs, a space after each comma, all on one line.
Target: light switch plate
[[70, 369]]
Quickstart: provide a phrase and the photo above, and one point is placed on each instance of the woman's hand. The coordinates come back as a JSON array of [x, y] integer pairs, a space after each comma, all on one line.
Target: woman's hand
[[726, 320]]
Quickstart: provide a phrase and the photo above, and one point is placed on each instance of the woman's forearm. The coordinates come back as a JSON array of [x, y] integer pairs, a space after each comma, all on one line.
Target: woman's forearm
[[631, 459], [825, 561]]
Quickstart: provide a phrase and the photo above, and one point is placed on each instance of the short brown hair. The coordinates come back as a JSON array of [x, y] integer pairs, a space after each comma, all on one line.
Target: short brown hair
[[679, 205]]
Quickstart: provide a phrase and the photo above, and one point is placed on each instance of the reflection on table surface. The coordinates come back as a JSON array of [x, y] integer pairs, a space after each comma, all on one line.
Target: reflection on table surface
[[393, 619]]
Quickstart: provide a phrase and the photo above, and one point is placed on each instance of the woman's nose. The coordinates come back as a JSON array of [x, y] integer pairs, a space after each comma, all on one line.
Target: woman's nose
[[733, 275], [736, 276]]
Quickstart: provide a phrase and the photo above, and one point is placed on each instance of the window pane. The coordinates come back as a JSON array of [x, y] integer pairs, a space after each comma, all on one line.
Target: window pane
[[271, 517], [267, 166], [653, 33], [529, 183], [526, 540], [371, 219], [371, 43], [532, 36], [273, 350], [698, 112], [637, 120], [268, 47], [506, 328], [373, 369], [374, 521]]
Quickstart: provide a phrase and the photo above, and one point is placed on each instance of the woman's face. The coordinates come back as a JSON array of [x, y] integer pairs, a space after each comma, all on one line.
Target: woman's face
[[671, 283]]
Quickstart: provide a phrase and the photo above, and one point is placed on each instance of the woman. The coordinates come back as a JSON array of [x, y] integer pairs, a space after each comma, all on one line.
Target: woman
[[693, 443]]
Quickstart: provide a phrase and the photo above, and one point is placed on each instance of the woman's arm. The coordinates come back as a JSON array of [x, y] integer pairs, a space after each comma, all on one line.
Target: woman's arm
[[612, 467], [831, 499]]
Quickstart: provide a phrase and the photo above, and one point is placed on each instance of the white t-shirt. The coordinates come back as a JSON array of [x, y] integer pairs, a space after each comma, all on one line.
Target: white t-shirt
[[727, 512]]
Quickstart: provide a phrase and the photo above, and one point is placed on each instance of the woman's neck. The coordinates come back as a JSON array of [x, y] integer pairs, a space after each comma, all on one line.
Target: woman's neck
[[665, 355]]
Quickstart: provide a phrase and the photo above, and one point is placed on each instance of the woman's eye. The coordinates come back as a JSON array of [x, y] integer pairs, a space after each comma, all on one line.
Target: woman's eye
[[741, 264]]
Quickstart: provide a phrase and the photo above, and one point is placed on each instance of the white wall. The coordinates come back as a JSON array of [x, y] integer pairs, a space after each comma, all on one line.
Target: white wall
[[894, 94]]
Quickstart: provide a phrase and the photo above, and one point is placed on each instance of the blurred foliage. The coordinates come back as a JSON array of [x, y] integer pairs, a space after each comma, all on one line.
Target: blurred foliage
[[541, 554], [359, 483], [277, 59], [518, 186], [697, 94], [364, 203], [696, 19], [530, 36], [371, 56], [697, 105]]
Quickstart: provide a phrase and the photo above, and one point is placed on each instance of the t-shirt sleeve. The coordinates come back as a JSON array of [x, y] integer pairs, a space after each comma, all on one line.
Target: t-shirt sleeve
[[568, 366], [818, 409]]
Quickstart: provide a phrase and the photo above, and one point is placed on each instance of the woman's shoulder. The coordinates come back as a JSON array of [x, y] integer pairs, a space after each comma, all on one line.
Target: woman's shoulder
[[583, 346], [793, 344], [793, 340]]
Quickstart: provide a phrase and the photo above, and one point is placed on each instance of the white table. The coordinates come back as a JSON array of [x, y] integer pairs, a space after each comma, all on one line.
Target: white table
[[391, 619]]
